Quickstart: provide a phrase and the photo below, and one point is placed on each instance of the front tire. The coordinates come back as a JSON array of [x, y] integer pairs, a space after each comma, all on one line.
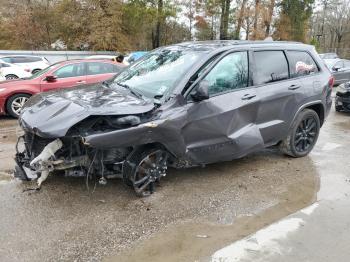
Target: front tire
[[143, 168], [15, 103], [303, 134], [35, 71]]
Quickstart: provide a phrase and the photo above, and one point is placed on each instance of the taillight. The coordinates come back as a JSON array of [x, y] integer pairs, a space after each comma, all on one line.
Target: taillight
[[331, 81]]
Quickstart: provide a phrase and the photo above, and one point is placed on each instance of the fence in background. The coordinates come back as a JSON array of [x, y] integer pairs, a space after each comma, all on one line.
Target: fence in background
[[56, 56]]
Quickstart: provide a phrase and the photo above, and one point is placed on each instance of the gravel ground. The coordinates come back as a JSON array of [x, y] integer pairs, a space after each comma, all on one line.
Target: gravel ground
[[65, 222]]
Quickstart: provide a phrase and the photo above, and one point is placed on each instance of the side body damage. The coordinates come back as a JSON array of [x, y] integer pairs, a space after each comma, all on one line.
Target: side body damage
[[148, 119]]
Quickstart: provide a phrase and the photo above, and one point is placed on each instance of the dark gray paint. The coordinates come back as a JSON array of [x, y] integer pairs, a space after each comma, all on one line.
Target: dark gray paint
[[221, 128]]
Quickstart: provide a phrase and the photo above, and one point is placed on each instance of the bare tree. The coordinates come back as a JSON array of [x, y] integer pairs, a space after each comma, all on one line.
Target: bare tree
[[240, 18]]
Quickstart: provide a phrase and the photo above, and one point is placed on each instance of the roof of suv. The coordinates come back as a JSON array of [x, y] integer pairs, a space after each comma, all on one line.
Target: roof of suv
[[218, 44]]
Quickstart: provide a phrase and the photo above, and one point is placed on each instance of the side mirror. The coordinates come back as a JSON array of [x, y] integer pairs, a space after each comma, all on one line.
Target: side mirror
[[51, 78], [201, 91], [336, 68]]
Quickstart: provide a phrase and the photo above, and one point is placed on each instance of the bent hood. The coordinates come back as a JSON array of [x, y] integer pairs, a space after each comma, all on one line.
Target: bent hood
[[51, 114]]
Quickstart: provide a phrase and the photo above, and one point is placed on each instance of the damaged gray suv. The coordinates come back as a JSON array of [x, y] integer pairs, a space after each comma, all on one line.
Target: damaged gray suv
[[185, 105]]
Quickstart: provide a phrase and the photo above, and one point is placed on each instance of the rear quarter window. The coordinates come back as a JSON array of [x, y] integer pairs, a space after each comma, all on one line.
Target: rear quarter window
[[270, 66], [301, 63]]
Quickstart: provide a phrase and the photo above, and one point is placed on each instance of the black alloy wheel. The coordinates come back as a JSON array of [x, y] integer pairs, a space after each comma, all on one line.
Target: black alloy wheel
[[302, 135], [305, 134]]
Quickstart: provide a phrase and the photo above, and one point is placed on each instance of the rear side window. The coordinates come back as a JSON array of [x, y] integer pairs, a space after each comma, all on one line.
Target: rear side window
[[271, 66], [301, 63], [101, 68]]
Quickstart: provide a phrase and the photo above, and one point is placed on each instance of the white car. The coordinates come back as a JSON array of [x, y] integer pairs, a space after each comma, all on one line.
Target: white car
[[103, 57], [11, 71], [32, 64]]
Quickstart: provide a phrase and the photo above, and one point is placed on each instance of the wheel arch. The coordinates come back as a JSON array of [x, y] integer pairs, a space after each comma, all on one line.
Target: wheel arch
[[11, 75], [316, 106], [155, 145]]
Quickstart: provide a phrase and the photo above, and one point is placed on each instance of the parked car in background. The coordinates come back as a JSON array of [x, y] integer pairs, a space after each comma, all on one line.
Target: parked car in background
[[132, 57], [65, 74], [340, 69], [114, 58], [103, 57], [32, 64], [342, 97], [329, 56], [11, 71], [184, 105]]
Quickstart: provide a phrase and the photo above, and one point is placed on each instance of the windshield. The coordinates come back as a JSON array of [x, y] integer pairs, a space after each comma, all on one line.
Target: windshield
[[41, 72], [330, 63], [159, 71]]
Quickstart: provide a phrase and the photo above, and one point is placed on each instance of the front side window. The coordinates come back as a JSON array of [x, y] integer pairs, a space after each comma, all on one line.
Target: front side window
[[339, 64], [301, 63], [228, 74], [159, 72], [19, 60], [7, 59], [32, 59], [72, 70], [271, 66]]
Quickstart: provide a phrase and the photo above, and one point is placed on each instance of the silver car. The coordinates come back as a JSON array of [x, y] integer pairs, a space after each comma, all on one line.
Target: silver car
[[340, 69]]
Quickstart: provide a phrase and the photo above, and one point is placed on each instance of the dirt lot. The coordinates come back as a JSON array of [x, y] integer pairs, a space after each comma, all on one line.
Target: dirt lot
[[192, 214]]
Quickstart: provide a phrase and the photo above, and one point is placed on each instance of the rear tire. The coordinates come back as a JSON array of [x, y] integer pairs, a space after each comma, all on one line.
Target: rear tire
[[15, 103], [35, 71], [11, 77], [302, 135]]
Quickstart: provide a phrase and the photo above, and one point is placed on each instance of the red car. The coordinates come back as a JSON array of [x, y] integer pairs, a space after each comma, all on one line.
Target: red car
[[14, 93]]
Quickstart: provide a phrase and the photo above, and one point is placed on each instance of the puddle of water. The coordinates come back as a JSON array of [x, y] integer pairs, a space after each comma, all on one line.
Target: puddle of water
[[265, 239], [180, 242]]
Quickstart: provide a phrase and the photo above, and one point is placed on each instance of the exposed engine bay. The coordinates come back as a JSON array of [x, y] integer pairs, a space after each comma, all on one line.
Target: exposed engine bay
[[71, 157]]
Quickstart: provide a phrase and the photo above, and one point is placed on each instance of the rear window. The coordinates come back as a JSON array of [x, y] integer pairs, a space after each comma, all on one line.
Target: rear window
[[271, 66], [301, 63]]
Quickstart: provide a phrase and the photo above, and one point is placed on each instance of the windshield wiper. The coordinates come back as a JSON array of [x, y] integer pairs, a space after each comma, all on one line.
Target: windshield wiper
[[130, 89]]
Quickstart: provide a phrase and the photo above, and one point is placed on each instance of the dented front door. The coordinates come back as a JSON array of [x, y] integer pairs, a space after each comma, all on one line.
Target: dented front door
[[223, 126]]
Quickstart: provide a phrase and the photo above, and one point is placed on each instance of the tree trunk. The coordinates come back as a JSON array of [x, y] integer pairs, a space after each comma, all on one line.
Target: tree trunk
[[225, 10], [269, 18], [240, 19], [156, 42], [256, 17]]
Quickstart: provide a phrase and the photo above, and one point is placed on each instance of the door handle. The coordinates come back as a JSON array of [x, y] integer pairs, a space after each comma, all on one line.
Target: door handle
[[294, 87], [248, 96], [81, 82]]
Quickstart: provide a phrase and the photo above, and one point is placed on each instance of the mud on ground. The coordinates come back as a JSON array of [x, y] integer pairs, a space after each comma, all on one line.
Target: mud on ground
[[193, 212]]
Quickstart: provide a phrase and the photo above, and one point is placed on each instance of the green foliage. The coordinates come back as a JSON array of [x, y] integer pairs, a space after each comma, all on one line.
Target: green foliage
[[315, 43], [101, 24], [293, 21]]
